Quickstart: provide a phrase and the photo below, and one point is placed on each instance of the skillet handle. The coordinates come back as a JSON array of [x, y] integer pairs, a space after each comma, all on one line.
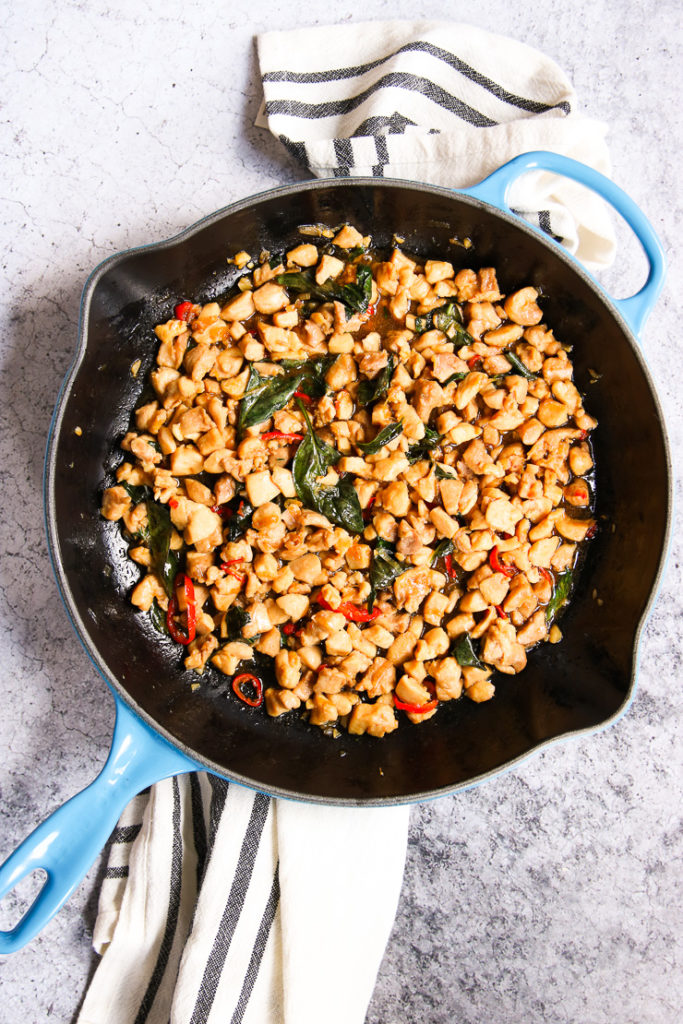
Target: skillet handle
[[496, 188], [66, 844]]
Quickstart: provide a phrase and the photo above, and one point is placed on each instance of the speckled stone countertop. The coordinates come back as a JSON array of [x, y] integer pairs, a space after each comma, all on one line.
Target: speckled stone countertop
[[551, 894]]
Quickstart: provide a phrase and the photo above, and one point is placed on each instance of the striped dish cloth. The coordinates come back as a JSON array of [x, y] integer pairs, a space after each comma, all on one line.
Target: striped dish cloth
[[436, 102], [224, 906]]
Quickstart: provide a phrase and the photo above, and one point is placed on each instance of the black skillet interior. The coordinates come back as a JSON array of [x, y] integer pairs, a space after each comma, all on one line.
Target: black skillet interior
[[578, 684]]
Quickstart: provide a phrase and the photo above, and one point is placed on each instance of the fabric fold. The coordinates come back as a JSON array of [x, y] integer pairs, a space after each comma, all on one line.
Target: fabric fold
[[440, 103]]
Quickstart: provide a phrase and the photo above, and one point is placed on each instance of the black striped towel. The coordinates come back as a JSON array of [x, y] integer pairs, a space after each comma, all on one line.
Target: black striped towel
[[435, 102], [223, 906]]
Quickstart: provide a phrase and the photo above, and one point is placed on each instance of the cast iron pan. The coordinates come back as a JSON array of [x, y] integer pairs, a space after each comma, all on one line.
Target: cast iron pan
[[163, 726]]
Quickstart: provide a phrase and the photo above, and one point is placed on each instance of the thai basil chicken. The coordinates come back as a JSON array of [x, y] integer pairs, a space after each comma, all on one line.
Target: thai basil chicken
[[370, 468]]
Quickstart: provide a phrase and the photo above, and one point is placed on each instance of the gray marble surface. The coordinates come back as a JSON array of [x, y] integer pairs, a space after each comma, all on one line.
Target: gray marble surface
[[551, 894]]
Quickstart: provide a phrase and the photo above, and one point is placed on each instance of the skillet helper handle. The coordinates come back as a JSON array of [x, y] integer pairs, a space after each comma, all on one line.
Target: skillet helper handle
[[496, 188], [66, 844]]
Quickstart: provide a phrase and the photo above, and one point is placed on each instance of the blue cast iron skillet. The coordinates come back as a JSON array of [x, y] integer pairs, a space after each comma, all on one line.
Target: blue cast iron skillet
[[163, 727]]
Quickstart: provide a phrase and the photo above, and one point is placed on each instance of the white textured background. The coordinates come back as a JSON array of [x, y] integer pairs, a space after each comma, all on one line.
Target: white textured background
[[552, 894]]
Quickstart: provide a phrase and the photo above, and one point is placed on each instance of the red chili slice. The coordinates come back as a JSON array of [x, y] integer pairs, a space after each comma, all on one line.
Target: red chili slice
[[183, 311], [244, 677], [547, 576], [418, 709], [501, 614], [304, 397], [450, 569], [498, 566], [173, 503], [351, 612], [191, 611], [224, 511], [227, 568], [473, 361], [271, 435], [590, 533]]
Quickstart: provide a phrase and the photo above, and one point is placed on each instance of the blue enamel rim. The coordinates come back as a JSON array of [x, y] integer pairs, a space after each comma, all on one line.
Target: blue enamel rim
[[67, 843]]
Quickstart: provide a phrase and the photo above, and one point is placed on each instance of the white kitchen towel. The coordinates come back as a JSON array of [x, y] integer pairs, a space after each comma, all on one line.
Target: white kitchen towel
[[223, 906], [436, 102]]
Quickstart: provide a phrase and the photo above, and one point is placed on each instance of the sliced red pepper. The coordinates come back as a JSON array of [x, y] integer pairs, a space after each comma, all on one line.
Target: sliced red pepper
[[547, 576], [304, 397], [191, 611], [289, 628], [499, 611], [372, 309], [183, 311], [418, 709], [224, 511], [590, 533], [473, 361], [173, 503], [498, 566], [271, 435], [351, 612], [248, 677], [367, 511], [227, 568], [450, 569]]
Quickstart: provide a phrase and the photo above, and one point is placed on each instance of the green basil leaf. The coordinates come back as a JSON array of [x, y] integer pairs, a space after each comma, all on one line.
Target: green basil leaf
[[137, 492], [355, 295], [385, 435], [235, 619], [560, 593], [313, 456], [372, 390], [164, 560], [158, 617], [443, 548], [421, 449], [341, 505], [266, 395], [384, 569], [339, 502], [237, 524], [519, 367], [460, 375], [313, 382], [441, 474], [463, 652]]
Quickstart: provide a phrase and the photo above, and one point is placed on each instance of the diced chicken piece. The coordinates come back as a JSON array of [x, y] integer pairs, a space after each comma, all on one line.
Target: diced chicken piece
[[469, 388], [502, 515], [115, 503], [412, 587], [270, 298], [294, 606], [374, 719], [147, 591], [323, 711], [260, 488], [202, 523], [342, 372], [502, 649], [535, 630], [329, 267], [348, 238], [229, 657], [305, 255], [522, 309], [287, 669], [380, 678], [239, 308], [426, 397], [279, 702], [269, 643], [330, 680], [186, 461], [447, 675]]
